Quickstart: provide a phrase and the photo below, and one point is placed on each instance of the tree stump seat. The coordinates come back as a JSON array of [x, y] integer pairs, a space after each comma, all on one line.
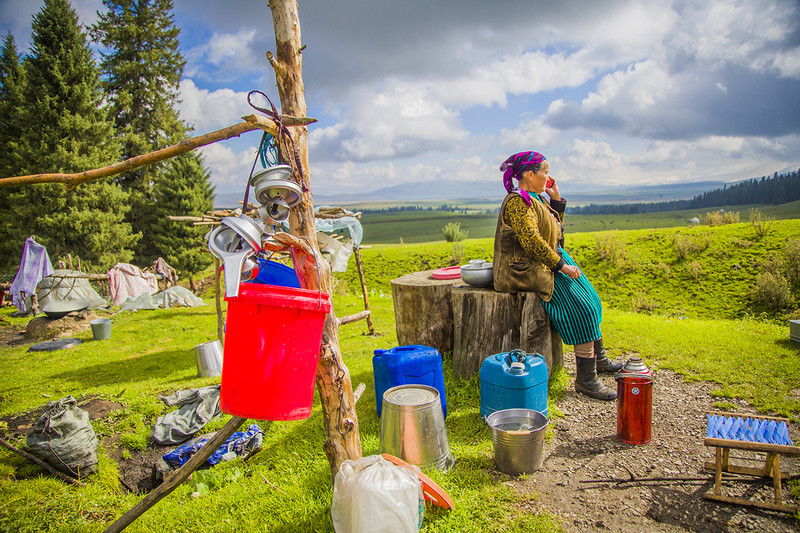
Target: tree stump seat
[[471, 322]]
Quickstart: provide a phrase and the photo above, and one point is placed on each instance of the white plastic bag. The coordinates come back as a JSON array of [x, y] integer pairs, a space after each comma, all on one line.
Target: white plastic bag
[[373, 495]]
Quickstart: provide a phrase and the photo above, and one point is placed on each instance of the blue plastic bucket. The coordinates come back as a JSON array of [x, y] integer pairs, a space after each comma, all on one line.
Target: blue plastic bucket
[[274, 273]]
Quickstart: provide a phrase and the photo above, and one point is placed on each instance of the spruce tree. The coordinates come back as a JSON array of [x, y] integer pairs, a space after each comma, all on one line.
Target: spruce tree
[[66, 130], [142, 69], [11, 83], [182, 245]]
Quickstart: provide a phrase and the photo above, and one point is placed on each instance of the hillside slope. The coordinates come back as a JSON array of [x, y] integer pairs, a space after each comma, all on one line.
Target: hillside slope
[[697, 271]]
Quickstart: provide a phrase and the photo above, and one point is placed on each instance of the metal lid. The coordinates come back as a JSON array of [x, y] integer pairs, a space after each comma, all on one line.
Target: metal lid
[[411, 395], [635, 365]]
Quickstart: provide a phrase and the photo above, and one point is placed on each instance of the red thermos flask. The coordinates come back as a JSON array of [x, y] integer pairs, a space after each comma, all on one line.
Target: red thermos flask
[[634, 402]]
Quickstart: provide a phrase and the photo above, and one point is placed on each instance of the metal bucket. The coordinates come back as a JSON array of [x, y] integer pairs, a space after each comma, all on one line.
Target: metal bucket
[[518, 439], [209, 359], [412, 427], [101, 329]]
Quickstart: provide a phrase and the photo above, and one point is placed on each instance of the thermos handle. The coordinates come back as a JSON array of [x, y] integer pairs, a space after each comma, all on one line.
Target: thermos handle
[[520, 355]]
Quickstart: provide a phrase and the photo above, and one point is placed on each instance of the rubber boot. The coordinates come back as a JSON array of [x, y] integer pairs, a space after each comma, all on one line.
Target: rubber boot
[[603, 363], [586, 381]]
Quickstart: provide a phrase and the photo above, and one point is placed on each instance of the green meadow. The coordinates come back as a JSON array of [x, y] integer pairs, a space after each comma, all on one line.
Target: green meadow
[[680, 296], [426, 226]]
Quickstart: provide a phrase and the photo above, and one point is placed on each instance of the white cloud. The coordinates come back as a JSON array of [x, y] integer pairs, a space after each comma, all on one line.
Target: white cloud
[[399, 120], [642, 85], [229, 168], [529, 133], [211, 110], [225, 55]]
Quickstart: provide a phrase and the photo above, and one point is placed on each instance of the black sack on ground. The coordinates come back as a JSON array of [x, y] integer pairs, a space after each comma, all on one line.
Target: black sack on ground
[[64, 438]]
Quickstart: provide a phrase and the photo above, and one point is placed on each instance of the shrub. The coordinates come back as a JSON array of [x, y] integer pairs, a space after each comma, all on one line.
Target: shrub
[[453, 232], [695, 269], [665, 269], [772, 291], [741, 243], [457, 253], [760, 222], [793, 262], [642, 303], [720, 218], [611, 247], [685, 246]]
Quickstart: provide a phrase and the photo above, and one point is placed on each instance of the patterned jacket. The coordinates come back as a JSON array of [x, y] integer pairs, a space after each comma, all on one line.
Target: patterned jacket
[[525, 246]]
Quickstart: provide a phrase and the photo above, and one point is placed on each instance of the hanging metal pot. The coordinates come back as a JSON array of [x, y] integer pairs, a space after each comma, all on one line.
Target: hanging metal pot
[[274, 211], [273, 183]]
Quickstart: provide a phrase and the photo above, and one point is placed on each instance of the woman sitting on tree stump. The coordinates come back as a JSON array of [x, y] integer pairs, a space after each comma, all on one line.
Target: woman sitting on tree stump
[[529, 256]]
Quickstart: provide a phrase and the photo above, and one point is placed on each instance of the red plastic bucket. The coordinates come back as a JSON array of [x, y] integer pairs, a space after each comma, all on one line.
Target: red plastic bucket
[[272, 341]]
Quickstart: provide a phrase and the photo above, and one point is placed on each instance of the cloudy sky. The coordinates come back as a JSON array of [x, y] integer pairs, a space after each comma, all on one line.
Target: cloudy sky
[[612, 92]]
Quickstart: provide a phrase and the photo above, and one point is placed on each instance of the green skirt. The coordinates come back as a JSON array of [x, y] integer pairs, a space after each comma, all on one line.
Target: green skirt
[[575, 308]]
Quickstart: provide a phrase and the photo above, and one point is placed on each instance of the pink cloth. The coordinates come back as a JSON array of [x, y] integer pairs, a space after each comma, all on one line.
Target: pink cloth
[[128, 281]]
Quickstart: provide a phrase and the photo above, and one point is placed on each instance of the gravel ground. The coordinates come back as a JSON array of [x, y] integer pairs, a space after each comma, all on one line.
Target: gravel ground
[[585, 450]]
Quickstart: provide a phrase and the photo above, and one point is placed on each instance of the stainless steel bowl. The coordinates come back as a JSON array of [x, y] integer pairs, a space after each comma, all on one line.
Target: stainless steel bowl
[[477, 275]]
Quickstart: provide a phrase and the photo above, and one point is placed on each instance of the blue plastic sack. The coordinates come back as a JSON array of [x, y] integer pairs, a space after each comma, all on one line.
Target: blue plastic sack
[[239, 443]]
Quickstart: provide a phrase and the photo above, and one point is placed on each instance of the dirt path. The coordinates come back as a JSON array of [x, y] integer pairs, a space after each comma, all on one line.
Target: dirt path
[[585, 448]]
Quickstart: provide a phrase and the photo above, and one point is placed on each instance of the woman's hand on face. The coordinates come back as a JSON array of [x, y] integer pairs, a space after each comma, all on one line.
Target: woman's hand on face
[[552, 192], [571, 271]]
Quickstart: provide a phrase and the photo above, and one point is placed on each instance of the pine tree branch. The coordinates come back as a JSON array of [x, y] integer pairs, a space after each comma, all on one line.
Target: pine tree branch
[[250, 123]]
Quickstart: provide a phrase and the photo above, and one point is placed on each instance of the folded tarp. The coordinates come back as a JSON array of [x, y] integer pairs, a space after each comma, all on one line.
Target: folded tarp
[[63, 287], [172, 297]]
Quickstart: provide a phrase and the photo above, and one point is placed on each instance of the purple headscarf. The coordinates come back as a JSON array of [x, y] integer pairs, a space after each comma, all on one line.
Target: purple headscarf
[[514, 166]]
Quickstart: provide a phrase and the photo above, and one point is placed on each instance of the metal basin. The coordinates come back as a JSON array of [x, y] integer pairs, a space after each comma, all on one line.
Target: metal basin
[[517, 439], [478, 275], [55, 310]]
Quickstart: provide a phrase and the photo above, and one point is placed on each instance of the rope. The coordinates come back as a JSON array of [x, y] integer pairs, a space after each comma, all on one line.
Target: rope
[[252, 168], [268, 152], [283, 131]]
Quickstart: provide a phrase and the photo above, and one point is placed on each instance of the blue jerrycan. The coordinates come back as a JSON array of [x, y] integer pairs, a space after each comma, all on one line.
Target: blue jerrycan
[[513, 380], [408, 365]]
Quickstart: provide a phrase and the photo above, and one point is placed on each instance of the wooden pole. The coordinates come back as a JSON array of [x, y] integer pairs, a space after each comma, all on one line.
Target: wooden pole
[[218, 300], [343, 440], [178, 477], [251, 122], [360, 267]]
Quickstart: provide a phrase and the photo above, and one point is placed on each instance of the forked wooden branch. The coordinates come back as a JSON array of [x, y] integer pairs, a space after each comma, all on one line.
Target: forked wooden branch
[[250, 123], [179, 476]]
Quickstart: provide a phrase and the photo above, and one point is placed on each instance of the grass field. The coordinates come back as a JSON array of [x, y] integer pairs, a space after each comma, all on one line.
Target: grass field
[[426, 226], [697, 320]]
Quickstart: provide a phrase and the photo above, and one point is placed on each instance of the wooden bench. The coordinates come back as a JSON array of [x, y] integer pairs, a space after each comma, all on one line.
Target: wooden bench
[[772, 462]]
